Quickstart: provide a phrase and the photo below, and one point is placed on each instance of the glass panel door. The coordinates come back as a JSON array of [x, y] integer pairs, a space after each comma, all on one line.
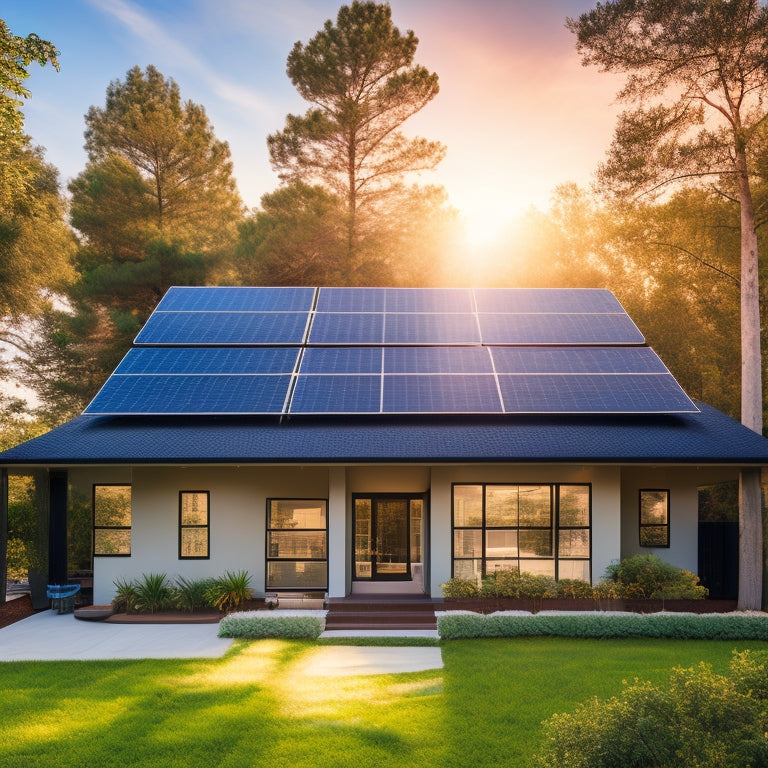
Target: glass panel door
[[392, 541]]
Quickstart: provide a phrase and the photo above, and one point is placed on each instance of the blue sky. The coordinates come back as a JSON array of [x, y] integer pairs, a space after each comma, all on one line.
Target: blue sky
[[516, 110]]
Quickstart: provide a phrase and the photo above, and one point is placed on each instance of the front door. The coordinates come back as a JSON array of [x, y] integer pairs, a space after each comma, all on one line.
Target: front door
[[387, 536]]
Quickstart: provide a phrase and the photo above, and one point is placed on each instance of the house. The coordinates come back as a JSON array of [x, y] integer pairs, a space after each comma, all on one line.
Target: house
[[347, 440]]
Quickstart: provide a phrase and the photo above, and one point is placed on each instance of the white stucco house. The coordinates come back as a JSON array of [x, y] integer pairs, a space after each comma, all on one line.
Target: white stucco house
[[343, 439]]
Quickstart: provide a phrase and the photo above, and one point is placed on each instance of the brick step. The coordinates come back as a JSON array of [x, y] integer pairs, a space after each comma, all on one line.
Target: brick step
[[354, 605], [380, 620]]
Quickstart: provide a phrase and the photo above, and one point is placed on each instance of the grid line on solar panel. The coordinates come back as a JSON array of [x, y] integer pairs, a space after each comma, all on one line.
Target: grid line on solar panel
[[223, 328], [234, 299], [330, 360], [350, 300], [559, 329], [336, 394], [347, 328], [602, 393], [208, 360], [576, 360], [440, 394], [191, 394], [446, 359], [430, 328], [546, 300]]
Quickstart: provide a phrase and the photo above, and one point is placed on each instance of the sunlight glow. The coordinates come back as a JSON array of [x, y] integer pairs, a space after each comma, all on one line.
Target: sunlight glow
[[487, 220]]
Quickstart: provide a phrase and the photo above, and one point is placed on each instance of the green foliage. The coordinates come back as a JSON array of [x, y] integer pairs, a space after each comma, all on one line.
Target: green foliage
[[260, 624], [18, 560], [153, 593], [697, 719], [124, 600], [519, 585], [458, 588], [648, 576], [574, 589], [230, 591], [191, 594]]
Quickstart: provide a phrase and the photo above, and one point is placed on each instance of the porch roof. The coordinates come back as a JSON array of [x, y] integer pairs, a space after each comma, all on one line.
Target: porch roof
[[707, 437]]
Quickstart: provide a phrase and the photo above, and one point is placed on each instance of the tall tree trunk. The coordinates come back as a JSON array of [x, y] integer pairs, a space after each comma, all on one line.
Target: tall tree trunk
[[750, 513]]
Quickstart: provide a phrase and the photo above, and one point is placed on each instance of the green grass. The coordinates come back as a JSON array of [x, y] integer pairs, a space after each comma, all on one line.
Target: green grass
[[257, 707]]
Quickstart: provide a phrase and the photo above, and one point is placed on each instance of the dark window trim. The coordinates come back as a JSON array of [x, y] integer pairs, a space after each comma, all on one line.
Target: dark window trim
[[95, 527], [642, 525], [207, 526]]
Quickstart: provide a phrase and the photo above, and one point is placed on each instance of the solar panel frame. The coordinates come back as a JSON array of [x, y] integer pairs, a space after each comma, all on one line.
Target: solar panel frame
[[440, 359], [546, 301], [342, 360], [431, 300], [576, 359], [559, 329], [350, 300], [347, 328], [236, 299], [208, 360], [323, 394], [406, 393]]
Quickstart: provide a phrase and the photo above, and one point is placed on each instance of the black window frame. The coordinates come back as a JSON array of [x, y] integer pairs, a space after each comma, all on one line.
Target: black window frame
[[96, 527], [645, 527], [206, 526]]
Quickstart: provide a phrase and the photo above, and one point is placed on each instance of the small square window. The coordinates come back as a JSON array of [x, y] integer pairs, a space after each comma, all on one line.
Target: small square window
[[194, 525], [654, 518]]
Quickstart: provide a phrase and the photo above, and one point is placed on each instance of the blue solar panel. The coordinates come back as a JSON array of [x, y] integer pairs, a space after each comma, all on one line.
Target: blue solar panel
[[423, 328], [576, 360], [341, 360], [437, 360], [163, 394], [351, 300], [243, 328], [337, 394], [440, 394], [559, 329], [602, 393], [448, 300], [219, 360], [347, 328], [546, 300], [236, 299]]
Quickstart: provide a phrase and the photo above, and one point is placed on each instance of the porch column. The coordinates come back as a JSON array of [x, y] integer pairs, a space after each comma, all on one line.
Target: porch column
[[57, 527], [3, 533], [338, 551]]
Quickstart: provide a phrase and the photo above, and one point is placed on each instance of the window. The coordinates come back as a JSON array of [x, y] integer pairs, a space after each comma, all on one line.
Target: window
[[654, 518], [194, 525], [297, 544], [112, 520], [535, 528]]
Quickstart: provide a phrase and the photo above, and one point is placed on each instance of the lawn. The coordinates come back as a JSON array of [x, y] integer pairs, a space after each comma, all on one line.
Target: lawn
[[255, 707]]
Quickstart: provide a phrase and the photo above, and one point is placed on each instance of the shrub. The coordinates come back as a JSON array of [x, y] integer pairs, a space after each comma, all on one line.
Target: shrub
[[191, 594], [536, 586], [261, 624], [698, 718], [230, 591], [502, 584], [574, 589], [124, 600], [459, 588], [153, 593], [648, 576]]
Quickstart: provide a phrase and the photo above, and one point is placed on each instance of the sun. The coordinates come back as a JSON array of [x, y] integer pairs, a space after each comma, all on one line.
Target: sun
[[488, 220]]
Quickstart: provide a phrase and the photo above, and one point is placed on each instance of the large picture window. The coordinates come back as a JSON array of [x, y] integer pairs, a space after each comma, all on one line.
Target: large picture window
[[654, 518], [194, 525], [297, 544], [112, 520], [535, 528]]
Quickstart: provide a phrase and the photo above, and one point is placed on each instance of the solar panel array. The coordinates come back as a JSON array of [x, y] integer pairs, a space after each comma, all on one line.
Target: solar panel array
[[389, 351]]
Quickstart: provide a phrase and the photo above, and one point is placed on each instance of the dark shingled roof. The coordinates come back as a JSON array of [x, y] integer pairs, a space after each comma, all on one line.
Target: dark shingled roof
[[708, 437]]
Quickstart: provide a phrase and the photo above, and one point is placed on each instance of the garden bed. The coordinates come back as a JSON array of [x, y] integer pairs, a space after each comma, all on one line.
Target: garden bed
[[493, 604]]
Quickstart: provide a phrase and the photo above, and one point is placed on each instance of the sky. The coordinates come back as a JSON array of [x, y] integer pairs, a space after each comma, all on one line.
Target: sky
[[517, 112]]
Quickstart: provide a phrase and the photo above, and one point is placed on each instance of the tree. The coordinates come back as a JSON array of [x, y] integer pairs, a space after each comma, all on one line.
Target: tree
[[697, 76], [361, 79]]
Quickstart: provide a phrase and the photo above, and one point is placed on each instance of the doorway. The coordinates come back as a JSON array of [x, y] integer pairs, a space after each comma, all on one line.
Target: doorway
[[388, 533]]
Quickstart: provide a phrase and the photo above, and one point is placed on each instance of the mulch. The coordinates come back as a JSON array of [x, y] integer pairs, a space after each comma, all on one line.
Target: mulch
[[15, 610]]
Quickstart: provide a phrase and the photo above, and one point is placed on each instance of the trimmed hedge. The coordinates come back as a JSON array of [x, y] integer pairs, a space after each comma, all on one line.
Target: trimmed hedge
[[680, 626], [258, 625]]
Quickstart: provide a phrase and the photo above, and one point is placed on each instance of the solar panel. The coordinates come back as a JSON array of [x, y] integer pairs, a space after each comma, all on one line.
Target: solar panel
[[341, 360], [337, 394], [546, 300], [440, 394], [236, 299], [576, 360], [219, 360], [600, 393], [437, 360], [177, 328], [424, 328], [172, 394], [559, 329], [351, 300], [447, 300], [347, 328]]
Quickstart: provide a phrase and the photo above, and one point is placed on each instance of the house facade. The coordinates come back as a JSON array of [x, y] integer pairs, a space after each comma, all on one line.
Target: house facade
[[383, 440]]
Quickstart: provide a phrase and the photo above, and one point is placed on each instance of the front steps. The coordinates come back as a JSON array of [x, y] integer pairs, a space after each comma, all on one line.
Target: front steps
[[364, 612]]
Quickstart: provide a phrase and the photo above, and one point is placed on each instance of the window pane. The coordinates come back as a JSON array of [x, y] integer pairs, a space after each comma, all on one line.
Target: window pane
[[467, 543], [297, 513], [535, 543], [112, 541], [574, 542], [297, 544], [467, 569], [500, 565], [654, 507], [501, 502], [296, 575], [112, 505], [194, 508], [467, 505], [654, 536], [573, 569], [547, 567], [535, 506], [194, 542], [417, 512], [501, 543], [574, 505]]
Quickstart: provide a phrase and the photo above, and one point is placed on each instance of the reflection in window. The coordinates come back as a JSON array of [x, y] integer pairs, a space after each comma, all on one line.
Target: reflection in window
[[534, 528], [112, 520], [297, 544], [654, 518], [194, 525]]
